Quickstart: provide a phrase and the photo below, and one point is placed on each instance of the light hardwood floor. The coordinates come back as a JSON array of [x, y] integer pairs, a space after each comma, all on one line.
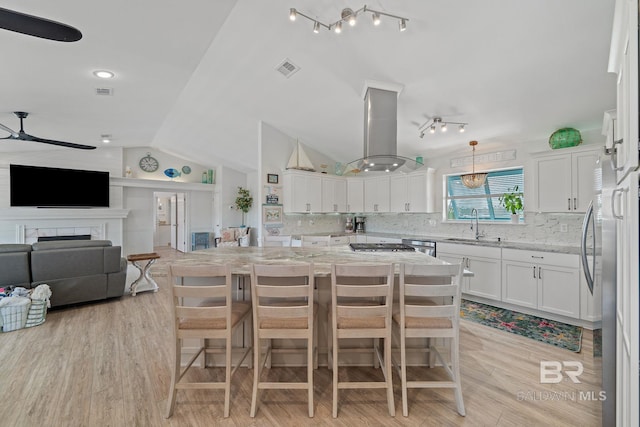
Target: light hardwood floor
[[108, 364]]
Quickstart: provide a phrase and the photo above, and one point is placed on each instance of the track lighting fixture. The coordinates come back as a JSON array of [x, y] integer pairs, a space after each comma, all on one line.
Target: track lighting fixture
[[433, 124], [350, 16]]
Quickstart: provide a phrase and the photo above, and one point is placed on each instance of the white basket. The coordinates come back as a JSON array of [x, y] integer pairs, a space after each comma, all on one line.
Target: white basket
[[37, 313], [15, 316]]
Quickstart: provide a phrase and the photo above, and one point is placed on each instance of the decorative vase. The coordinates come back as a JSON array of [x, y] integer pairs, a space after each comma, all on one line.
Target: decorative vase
[[515, 218]]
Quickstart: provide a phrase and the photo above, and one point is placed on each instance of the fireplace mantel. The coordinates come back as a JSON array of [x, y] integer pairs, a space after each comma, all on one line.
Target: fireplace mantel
[[62, 213]]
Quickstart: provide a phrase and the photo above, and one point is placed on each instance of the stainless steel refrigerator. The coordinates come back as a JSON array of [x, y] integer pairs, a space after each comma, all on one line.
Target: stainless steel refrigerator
[[598, 253]]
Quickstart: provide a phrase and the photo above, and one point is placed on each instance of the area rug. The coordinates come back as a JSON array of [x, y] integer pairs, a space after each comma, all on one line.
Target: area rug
[[547, 331]]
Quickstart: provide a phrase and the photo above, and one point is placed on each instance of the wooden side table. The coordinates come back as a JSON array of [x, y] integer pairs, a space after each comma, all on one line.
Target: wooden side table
[[145, 274]]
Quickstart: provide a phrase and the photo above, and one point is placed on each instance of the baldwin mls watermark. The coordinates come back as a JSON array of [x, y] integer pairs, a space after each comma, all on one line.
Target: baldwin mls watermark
[[555, 372]]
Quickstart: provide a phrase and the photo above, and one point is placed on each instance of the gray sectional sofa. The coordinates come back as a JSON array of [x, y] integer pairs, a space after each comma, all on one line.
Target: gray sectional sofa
[[76, 271]]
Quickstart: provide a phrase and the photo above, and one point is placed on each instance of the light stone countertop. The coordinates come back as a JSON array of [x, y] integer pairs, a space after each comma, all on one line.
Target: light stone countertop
[[573, 250], [240, 258]]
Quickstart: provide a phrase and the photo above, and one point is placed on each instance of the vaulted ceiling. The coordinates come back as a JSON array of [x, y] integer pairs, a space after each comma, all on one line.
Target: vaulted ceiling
[[195, 78]]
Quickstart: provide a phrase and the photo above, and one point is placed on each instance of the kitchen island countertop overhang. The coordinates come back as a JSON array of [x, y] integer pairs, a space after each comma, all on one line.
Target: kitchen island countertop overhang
[[241, 258]]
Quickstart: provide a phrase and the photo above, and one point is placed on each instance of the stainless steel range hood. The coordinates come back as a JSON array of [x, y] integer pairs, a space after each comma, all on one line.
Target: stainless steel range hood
[[381, 135]]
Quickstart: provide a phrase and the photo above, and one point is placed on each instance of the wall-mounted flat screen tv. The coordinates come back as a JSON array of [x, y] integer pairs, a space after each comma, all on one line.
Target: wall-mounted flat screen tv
[[43, 187]]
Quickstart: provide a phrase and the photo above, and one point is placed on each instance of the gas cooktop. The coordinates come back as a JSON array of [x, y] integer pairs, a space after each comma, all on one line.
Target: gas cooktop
[[381, 247]]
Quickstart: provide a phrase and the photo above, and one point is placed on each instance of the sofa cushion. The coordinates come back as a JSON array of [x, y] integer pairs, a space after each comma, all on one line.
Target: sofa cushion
[[64, 263], [14, 265]]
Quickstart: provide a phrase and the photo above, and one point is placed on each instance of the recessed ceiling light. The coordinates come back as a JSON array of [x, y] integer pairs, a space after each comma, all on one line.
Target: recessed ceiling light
[[103, 74], [106, 138]]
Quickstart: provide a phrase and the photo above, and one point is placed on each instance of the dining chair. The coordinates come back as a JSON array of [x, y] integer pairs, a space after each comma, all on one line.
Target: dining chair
[[203, 309], [361, 307], [429, 307], [283, 308], [276, 241], [315, 240]]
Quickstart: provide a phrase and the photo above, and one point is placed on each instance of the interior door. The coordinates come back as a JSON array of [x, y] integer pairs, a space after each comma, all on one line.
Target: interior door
[[174, 224], [181, 226]]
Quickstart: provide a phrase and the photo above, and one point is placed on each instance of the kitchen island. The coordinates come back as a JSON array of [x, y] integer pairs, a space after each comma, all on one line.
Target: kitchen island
[[241, 258]]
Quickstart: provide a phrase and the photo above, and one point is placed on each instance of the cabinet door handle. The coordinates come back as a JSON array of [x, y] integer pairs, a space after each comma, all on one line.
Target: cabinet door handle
[[616, 192], [569, 203], [534, 272], [537, 257], [539, 272], [575, 203]]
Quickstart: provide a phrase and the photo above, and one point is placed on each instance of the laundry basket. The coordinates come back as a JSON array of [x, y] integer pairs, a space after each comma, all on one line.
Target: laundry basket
[[37, 313], [14, 316]]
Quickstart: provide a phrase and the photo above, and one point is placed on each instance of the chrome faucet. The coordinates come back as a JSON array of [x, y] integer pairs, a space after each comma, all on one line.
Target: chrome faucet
[[474, 211]]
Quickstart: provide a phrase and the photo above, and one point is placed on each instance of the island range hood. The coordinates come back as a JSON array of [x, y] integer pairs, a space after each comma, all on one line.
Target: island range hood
[[381, 135]]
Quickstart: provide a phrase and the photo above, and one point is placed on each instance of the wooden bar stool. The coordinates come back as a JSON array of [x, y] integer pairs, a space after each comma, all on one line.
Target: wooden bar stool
[[283, 308], [429, 307], [361, 307], [203, 309]]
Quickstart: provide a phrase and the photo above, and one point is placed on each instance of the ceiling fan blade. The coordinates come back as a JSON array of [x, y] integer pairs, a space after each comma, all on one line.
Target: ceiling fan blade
[[37, 27], [11, 131], [26, 137]]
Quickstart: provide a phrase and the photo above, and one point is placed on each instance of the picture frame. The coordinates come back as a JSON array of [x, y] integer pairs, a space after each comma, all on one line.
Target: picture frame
[[272, 214], [272, 178]]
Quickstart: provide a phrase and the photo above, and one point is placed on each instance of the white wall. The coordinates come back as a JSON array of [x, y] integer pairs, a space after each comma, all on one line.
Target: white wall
[[136, 232], [274, 149], [230, 180]]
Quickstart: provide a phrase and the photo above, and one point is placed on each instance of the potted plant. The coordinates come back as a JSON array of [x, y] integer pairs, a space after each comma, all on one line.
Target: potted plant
[[243, 202], [512, 202]]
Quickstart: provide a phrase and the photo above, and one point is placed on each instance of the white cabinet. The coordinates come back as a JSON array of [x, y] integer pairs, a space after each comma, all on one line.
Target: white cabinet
[[623, 60], [376, 194], [334, 194], [484, 262], [340, 240], [542, 280], [625, 210], [355, 195], [565, 182], [302, 192], [408, 193]]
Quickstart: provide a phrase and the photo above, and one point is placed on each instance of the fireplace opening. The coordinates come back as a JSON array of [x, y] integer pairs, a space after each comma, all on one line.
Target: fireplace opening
[[67, 237]]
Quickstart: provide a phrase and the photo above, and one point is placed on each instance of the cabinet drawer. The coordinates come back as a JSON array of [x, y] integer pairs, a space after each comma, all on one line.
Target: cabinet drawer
[[469, 250], [339, 240], [536, 257]]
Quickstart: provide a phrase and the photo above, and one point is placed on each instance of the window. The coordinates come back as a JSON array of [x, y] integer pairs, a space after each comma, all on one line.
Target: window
[[462, 200]]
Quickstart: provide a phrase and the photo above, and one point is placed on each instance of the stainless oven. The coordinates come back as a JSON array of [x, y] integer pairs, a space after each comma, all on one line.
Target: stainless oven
[[422, 245]]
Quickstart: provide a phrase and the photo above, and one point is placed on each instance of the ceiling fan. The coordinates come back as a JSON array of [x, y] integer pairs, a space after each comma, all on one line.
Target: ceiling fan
[[38, 27], [23, 136]]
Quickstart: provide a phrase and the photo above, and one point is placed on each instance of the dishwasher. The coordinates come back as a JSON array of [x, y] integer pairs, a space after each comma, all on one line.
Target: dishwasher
[[422, 245]]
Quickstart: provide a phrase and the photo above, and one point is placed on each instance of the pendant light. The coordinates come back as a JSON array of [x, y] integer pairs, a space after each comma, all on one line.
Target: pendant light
[[473, 179]]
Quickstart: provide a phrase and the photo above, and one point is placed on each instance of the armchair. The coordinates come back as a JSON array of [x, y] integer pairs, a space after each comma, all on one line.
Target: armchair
[[233, 236]]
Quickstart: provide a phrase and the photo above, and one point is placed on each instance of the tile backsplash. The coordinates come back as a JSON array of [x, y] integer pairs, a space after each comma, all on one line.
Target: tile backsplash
[[542, 228]]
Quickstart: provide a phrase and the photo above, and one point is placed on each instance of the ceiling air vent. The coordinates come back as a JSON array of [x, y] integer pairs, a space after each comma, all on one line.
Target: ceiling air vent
[[104, 91], [287, 68]]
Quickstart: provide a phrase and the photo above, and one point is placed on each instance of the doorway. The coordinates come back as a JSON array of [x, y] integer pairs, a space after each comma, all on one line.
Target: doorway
[[170, 219]]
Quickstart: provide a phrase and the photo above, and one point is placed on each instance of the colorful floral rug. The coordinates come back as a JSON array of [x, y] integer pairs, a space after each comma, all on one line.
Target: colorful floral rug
[[547, 331]]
